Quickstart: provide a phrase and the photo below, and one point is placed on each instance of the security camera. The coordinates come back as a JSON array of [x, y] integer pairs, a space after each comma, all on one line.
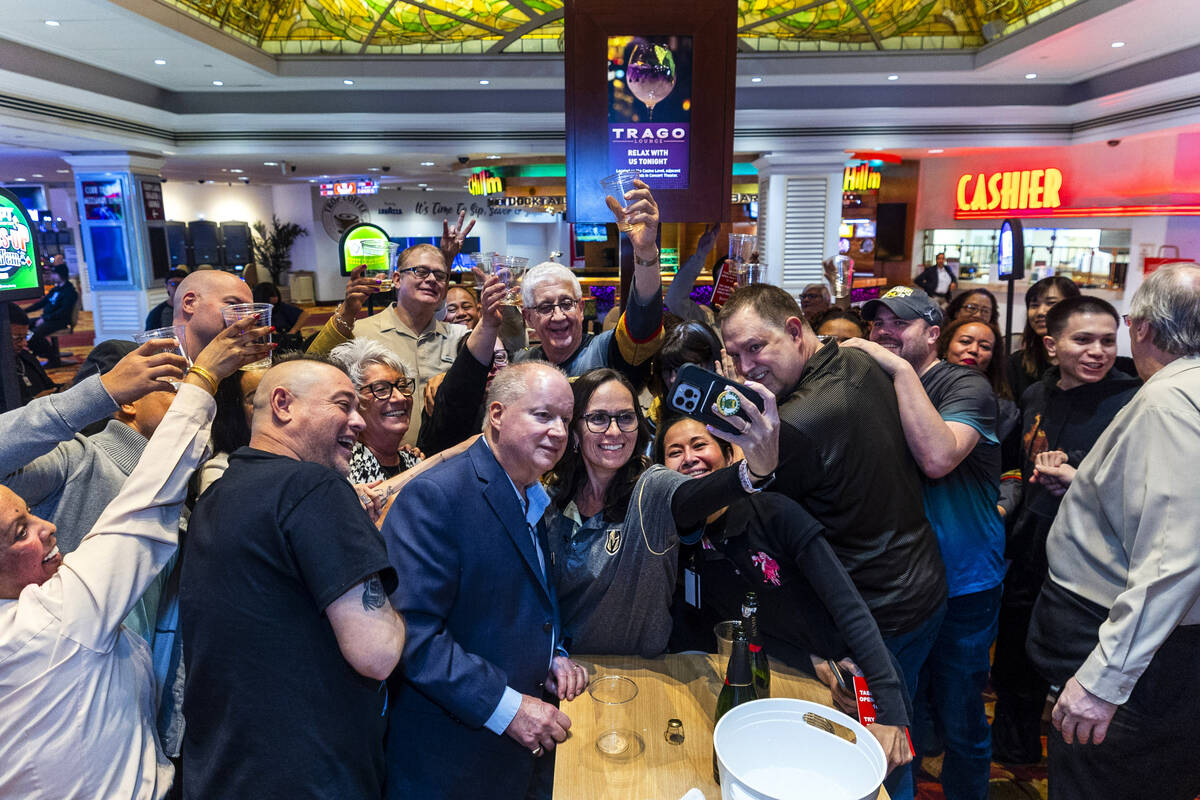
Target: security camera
[[386, 168], [463, 159], [200, 180], [1113, 142]]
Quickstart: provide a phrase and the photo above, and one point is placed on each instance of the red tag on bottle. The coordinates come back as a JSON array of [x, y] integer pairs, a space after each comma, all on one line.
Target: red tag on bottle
[[866, 703]]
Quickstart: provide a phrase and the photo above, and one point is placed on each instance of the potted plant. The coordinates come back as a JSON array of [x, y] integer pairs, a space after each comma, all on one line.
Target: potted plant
[[273, 245]]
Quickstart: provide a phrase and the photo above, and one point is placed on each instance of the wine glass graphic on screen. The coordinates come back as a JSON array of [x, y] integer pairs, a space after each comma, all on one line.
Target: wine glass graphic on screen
[[650, 74]]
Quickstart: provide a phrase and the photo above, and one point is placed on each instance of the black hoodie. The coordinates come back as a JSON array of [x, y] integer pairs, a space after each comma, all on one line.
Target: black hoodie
[[1070, 420]]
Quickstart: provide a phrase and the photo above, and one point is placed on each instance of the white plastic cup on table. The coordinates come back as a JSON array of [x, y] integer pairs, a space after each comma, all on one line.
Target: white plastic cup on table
[[379, 257], [176, 332], [616, 729], [262, 311], [510, 269], [617, 185]]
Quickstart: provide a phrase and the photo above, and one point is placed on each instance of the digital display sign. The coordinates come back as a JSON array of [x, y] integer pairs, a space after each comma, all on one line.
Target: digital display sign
[[344, 188], [649, 107], [20, 278], [102, 200], [1011, 261]]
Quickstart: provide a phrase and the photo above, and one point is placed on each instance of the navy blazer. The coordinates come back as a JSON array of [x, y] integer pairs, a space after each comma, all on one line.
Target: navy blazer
[[480, 616]]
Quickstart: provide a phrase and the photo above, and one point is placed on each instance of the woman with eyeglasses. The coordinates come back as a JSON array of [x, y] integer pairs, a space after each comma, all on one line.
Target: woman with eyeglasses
[[612, 526], [974, 304]]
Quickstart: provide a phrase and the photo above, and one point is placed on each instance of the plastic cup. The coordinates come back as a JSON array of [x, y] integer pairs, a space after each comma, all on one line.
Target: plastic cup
[[616, 730], [262, 311], [510, 269], [378, 256], [741, 247], [617, 185], [176, 332], [751, 273], [843, 267]]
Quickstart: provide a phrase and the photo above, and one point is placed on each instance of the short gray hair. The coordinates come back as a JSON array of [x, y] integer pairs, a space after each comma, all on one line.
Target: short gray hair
[[357, 354], [511, 382], [1169, 299], [548, 272], [824, 291]]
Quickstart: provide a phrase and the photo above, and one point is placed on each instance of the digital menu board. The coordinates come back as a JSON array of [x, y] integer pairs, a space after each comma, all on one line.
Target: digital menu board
[[344, 188], [19, 275], [649, 107]]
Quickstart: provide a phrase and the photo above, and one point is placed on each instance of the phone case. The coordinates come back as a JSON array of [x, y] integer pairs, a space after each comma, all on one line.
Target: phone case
[[697, 389]]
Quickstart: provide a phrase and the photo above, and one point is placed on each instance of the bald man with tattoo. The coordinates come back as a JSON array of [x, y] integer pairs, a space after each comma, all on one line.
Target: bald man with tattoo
[[288, 632]]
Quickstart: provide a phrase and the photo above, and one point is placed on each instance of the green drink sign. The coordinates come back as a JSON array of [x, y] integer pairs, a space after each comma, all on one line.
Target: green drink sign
[[19, 275], [353, 253]]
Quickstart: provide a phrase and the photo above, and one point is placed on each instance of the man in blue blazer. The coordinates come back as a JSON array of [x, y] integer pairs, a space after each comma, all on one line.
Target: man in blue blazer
[[467, 717]]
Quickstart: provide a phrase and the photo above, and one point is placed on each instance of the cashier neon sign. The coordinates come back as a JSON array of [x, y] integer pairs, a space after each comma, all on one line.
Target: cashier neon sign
[[1009, 191]]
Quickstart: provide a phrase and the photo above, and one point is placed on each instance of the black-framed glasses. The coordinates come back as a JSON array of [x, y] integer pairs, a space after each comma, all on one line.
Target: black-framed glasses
[[566, 306], [382, 390], [421, 273], [598, 421]]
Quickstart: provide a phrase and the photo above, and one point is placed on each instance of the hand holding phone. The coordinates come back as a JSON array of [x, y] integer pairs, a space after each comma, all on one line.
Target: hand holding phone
[[745, 415]]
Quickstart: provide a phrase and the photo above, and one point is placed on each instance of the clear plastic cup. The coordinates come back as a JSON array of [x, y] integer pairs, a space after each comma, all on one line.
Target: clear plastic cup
[[176, 332], [616, 729], [510, 269], [262, 311], [741, 247], [617, 185], [753, 272], [379, 257]]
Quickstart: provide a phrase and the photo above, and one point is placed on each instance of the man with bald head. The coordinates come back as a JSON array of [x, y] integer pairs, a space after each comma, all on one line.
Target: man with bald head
[[287, 630], [198, 302], [484, 666]]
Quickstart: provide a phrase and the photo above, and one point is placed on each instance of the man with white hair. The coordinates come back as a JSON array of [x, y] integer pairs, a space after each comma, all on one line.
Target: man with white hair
[[553, 307], [815, 300], [1117, 623]]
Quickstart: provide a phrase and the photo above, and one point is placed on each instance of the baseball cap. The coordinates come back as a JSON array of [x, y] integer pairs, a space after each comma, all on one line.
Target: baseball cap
[[906, 303]]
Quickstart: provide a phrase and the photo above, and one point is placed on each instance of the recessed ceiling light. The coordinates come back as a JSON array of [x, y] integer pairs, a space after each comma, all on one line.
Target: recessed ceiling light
[[237, 171], [162, 62], [756, 79], [429, 188], [38, 175], [372, 169], [218, 83], [426, 163], [348, 82], [324, 176], [270, 163], [62, 171], [893, 77], [937, 150], [484, 82], [422, 185], [493, 156], [224, 169], [53, 23], [1118, 44], [312, 180], [1030, 76], [19, 180]]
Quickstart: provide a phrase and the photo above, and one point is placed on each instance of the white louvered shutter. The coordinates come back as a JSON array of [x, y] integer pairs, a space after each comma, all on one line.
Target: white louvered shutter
[[803, 232]]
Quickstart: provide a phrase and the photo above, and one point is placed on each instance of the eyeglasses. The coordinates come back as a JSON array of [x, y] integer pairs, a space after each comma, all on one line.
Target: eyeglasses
[[421, 273], [566, 306], [812, 296], [598, 421], [971, 308], [382, 390]]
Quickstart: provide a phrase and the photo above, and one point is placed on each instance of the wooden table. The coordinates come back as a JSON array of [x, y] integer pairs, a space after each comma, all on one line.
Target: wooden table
[[681, 686]]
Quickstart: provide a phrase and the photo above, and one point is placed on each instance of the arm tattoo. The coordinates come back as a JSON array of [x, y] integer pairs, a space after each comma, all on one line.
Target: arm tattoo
[[373, 597]]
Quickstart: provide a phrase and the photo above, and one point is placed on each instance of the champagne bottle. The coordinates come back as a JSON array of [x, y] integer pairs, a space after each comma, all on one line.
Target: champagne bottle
[[739, 684], [760, 667]]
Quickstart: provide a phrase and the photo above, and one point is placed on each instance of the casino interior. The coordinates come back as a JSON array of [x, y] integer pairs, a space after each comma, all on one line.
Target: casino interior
[[144, 136]]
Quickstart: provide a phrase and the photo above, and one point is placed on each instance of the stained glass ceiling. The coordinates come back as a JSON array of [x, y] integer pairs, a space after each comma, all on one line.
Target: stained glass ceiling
[[470, 27]]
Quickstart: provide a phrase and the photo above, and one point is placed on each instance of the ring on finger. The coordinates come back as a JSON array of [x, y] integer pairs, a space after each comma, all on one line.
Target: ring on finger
[[538, 751]]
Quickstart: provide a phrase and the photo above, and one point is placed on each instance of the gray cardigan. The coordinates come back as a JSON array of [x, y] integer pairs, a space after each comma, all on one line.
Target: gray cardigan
[[36, 428]]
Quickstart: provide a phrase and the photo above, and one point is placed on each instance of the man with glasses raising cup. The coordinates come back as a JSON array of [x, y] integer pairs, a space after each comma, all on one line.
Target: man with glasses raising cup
[[553, 308]]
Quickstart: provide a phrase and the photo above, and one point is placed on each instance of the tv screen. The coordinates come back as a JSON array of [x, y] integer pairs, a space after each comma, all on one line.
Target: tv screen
[[236, 236], [206, 242], [177, 244], [20, 277], [591, 232]]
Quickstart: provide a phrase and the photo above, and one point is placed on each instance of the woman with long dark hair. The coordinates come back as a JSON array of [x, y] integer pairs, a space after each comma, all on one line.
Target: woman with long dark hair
[[1027, 365], [686, 343], [977, 344]]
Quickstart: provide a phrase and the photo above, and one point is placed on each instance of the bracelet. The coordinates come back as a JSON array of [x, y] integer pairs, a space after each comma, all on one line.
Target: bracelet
[[744, 474], [339, 324], [205, 376], [646, 263]]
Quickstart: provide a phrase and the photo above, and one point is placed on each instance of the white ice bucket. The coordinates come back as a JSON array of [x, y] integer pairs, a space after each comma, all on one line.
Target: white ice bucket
[[784, 749]]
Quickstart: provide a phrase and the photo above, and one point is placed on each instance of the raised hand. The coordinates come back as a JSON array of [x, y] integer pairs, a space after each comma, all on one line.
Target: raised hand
[[453, 237], [641, 210], [243, 342], [144, 371], [358, 289]]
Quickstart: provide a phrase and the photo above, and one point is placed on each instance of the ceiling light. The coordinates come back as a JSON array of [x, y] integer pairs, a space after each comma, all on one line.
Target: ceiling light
[[493, 156], [270, 163], [237, 171], [62, 171], [484, 82], [312, 180], [893, 77], [1030, 76], [218, 83], [348, 82], [162, 62], [937, 150], [756, 79], [372, 169], [38, 175], [324, 176], [429, 188], [1118, 44], [53, 23], [426, 163], [422, 185], [19, 180]]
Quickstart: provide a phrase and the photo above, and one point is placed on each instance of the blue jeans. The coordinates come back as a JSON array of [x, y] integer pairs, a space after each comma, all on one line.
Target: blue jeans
[[910, 651], [951, 690]]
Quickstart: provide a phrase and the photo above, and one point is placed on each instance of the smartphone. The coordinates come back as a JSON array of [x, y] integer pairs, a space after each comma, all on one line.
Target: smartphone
[[696, 390], [845, 680]]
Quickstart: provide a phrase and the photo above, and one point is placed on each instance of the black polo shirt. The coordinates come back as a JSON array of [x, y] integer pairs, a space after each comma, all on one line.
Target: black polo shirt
[[844, 458]]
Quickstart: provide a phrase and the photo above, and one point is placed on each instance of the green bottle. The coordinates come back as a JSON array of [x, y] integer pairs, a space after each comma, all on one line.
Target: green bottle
[[760, 667], [739, 684]]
